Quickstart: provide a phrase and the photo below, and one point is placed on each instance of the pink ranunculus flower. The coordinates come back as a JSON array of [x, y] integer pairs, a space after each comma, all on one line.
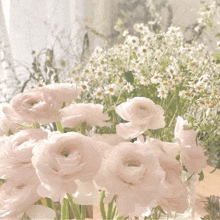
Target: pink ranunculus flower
[[92, 114], [87, 193], [173, 192], [16, 153], [142, 114], [193, 158], [68, 91], [64, 158], [16, 197], [191, 154], [112, 139], [170, 149], [40, 104], [132, 172], [6, 126]]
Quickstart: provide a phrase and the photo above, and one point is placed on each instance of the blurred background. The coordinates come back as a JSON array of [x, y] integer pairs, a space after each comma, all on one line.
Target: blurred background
[[66, 32]]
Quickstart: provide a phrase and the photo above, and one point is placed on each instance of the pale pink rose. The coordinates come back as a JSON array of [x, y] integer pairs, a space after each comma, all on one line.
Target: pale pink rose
[[40, 105], [191, 154], [132, 172], [142, 114], [6, 126], [16, 197], [62, 159], [16, 153], [92, 114]]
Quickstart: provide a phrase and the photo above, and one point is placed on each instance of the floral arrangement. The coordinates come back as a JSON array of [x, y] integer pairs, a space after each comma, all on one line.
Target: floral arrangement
[[76, 154], [183, 78]]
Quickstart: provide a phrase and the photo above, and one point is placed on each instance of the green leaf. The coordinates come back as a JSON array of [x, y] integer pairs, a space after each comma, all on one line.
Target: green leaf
[[201, 176], [129, 76], [218, 35]]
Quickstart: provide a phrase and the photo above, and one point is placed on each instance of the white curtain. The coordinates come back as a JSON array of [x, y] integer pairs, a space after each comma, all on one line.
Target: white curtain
[[38, 24]]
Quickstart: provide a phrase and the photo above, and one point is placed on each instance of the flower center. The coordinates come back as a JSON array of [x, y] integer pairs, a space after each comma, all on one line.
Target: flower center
[[64, 153], [132, 163]]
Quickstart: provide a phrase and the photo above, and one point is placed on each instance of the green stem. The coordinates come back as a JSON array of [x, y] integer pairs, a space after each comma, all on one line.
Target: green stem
[[114, 212], [102, 207], [83, 128], [59, 126], [65, 210], [83, 212], [110, 207], [74, 207], [36, 125]]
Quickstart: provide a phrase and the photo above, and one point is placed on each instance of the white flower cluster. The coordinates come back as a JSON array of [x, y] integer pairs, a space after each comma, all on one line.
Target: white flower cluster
[[183, 78]]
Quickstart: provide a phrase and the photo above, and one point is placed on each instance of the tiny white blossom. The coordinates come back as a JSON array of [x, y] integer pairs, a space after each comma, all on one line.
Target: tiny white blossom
[[156, 78], [111, 89], [129, 87], [84, 86], [144, 81], [162, 92], [99, 94]]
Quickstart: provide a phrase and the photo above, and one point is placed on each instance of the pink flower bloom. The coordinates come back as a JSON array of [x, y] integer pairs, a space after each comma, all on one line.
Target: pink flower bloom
[[67, 91], [16, 153], [87, 193], [186, 137], [92, 114], [132, 173], [142, 114], [112, 139], [191, 154], [193, 158], [173, 192], [40, 105], [62, 159], [6, 126], [16, 197]]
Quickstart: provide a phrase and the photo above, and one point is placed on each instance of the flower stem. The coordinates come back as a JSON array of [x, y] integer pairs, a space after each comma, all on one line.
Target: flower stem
[[114, 212], [102, 207], [83, 212], [59, 126], [65, 210], [110, 207], [74, 207]]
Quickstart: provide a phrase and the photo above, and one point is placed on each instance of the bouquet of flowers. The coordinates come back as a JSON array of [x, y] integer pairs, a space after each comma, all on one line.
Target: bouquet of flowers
[[75, 154]]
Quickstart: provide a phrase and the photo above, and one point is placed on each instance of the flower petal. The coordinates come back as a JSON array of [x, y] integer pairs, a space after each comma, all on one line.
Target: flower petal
[[41, 212]]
